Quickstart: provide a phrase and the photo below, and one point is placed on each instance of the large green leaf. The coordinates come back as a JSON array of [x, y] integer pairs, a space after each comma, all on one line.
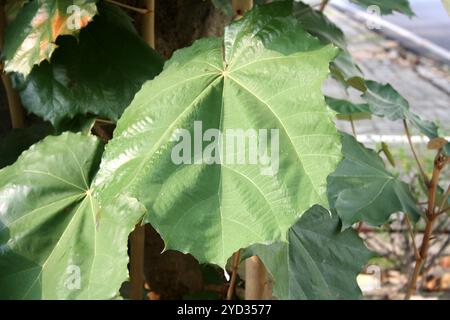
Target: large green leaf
[[388, 6], [97, 74], [319, 262], [30, 37], [266, 74], [385, 101], [362, 190], [55, 242]]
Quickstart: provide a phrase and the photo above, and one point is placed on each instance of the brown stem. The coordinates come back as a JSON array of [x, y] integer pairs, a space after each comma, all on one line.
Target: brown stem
[[14, 104], [352, 123], [323, 5], [234, 269], [100, 132], [413, 237], [439, 163], [422, 172]]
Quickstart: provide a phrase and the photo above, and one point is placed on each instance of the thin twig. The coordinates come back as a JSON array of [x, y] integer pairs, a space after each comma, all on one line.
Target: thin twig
[[422, 172], [323, 5], [234, 268], [352, 123], [413, 237], [126, 6]]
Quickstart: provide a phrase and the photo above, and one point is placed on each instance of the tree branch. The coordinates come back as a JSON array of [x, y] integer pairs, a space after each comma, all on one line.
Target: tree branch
[[439, 162], [422, 172]]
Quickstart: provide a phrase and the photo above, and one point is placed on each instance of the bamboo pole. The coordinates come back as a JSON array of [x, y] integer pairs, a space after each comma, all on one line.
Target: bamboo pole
[[15, 108], [137, 238], [256, 277], [148, 23]]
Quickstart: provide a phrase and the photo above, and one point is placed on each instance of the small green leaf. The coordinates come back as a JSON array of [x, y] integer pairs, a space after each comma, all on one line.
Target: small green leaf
[[347, 108], [98, 74], [387, 153], [30, 37], [316, 23], [56, 243], [319, 262], [267, 81], [346, 71], [362, 190], [387, 6], [385, 101]]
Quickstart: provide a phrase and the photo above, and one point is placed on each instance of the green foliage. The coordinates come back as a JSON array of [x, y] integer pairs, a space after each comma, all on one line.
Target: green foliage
[[56, 243], [362, 190], [318, 262], [96, 74], [345, 109], [67, 208], [31, 37], [385, 101], [264, 56]]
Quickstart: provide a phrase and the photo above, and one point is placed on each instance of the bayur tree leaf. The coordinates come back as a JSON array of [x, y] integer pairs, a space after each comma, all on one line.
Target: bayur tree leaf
[[263, 78], [319, 262], [361, 189], [55, 241], [97, 74], [30, 37]]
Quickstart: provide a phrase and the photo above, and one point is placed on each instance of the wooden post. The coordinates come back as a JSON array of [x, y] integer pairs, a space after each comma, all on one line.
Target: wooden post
[[256, 277], [148, 23], [137, 237], [15, 108]]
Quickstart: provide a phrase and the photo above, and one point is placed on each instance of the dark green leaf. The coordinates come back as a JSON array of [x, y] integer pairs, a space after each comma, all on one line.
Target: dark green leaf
[[385, 101], [98, 74], [345, 108], [362, 190], [19, 140], [319, 262], [30, 37]]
